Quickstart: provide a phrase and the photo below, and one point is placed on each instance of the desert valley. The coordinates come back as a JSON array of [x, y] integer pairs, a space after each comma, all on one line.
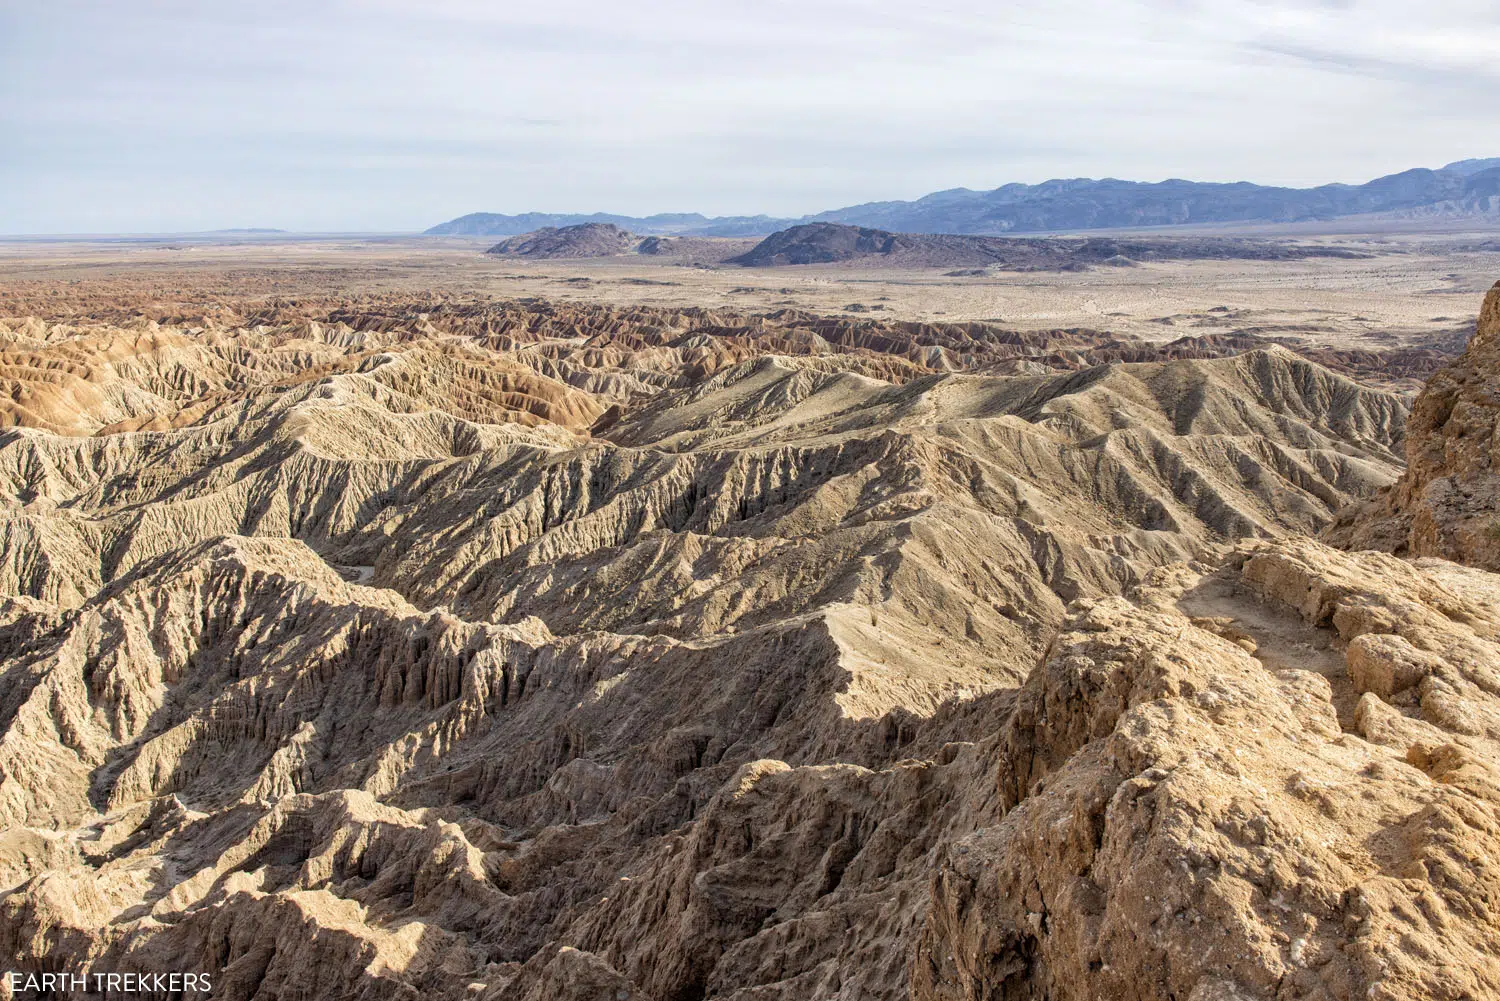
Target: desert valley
[[829, 616]]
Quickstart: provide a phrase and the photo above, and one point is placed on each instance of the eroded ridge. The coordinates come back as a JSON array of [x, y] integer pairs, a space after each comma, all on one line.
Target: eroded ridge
[[1447, 503], [516, 653]]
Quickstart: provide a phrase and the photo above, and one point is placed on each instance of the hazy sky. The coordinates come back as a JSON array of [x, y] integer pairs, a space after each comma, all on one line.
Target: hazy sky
[[157, 115]]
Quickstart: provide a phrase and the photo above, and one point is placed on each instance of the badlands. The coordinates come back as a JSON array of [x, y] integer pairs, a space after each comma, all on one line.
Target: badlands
[[385, 622]]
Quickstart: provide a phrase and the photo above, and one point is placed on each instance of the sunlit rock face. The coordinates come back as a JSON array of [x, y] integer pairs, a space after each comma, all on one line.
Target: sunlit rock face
[[528, 651]]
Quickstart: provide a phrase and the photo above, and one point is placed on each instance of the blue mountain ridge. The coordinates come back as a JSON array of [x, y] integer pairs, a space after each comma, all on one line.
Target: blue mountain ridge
[[1466, 187]]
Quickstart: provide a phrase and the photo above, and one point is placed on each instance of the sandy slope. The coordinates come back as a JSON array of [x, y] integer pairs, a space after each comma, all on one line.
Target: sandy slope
[[521, 651]]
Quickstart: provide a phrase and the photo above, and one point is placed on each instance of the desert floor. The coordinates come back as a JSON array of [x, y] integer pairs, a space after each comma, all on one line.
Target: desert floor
[[1411, 287]]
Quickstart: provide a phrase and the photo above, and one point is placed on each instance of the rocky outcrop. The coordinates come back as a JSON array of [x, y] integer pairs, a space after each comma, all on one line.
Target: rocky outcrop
[[1447, 503], [834, 242], [821, 243], [517, 653], [1156, 812], [1185, 819], [590, 239]]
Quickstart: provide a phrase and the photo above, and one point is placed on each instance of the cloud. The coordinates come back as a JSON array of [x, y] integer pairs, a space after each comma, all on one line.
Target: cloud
[[374, 114], [1480, 81]]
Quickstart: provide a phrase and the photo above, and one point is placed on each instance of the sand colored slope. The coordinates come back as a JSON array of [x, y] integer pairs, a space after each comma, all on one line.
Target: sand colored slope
[[523, 652]]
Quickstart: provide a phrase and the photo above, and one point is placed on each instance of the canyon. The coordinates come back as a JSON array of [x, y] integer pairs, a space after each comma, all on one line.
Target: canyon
[[379, 642]]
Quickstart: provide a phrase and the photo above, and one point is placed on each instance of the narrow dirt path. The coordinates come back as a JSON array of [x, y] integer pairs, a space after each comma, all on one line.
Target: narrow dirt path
[[1283, 641]]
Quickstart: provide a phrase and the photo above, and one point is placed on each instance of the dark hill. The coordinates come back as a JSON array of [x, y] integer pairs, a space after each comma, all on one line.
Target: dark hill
[[591, 239], [822, 243], [827, 243]]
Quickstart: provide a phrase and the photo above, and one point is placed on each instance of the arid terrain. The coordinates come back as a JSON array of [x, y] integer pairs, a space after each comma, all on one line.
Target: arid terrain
[[382, 618], [1407, 289]]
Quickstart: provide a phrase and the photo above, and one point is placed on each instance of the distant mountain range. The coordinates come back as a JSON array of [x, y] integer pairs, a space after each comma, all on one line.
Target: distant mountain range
[[662, 224], [1467, 188]]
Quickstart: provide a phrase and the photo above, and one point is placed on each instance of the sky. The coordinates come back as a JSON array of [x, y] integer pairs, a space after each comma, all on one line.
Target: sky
[[394, 115]]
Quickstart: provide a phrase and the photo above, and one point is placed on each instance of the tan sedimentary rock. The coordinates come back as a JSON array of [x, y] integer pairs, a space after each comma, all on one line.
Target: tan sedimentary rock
[[1185, 821], [526, 652], [1447, 503]]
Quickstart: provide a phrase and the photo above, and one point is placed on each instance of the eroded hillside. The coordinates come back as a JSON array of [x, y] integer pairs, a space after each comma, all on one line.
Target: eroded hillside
[[1447, 503], [516, 651]]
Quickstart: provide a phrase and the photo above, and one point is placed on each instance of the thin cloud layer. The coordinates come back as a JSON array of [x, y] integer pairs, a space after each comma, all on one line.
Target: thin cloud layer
[[395, 114]]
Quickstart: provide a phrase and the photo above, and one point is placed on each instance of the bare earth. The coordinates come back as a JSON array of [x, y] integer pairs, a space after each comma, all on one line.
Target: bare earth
[[1414, 286], [383, 620]]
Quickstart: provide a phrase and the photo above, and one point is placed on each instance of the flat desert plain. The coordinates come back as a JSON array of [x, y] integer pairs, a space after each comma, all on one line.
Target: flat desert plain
[[1411, 286]]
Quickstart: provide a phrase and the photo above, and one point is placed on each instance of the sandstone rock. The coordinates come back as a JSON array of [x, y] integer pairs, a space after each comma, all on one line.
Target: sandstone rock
[[1386, 664], [1447, 503], [519, 652], [1179, 829]]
